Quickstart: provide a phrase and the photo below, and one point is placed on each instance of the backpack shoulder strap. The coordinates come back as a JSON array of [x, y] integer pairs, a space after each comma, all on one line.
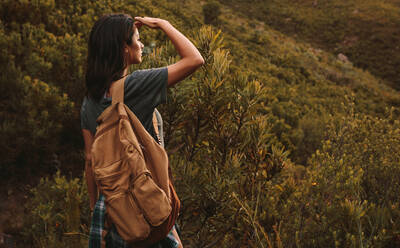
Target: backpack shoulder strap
[[117, 91], [155, 123]]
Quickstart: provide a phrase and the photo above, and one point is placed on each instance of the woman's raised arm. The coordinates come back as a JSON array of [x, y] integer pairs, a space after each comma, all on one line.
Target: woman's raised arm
[[191, 58]]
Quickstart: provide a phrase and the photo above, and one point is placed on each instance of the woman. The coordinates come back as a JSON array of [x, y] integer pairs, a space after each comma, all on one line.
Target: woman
[[113, 46]]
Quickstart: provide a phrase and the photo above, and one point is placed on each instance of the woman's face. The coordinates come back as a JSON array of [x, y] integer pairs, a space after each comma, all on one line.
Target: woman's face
[[134, 50]]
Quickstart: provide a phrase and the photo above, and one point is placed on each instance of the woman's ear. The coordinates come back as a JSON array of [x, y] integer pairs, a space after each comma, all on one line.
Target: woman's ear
[[126, 54]]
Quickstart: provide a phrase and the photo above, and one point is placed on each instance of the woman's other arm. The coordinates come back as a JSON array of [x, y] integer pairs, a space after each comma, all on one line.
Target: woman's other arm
[[191, 58], [91, 184]]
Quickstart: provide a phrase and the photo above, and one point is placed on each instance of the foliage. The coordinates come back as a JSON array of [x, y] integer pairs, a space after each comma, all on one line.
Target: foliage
[[31, 112], [211, 12], [305, 83], [59, 214], [363, 30], [348, 195]]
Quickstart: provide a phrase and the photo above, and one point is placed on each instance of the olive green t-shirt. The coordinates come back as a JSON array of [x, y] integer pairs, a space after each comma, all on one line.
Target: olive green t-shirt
[[144, 90]]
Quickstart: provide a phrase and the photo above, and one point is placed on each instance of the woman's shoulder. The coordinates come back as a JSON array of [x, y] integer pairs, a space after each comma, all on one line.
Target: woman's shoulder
[[145, 74], [146, 79]]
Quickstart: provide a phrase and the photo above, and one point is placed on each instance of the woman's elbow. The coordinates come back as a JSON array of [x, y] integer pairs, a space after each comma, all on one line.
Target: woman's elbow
[[198, 61]]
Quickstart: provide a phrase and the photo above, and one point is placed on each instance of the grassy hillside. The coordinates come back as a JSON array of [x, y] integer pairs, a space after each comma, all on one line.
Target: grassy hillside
[[305, 81], [365, 31], [273, 142]]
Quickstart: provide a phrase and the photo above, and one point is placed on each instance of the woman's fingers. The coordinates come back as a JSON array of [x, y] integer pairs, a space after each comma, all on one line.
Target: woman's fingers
[[138, 24], [148, 21], [137, 18], [142, 20]]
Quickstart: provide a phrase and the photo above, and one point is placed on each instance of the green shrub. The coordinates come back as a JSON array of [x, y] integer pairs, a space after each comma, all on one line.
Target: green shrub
[[58, 213], [39, 112], [211, 12], [348, 197]]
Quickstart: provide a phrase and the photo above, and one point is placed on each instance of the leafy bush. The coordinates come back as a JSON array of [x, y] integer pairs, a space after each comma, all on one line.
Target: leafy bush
[[348, 195], [38, 112], [211, 12], [58, 213]]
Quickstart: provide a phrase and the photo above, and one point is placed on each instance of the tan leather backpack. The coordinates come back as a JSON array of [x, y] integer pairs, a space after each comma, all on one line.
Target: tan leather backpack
[[131, 170]]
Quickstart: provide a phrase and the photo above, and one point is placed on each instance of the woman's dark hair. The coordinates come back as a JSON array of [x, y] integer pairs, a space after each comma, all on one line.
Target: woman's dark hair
[[106, 61]]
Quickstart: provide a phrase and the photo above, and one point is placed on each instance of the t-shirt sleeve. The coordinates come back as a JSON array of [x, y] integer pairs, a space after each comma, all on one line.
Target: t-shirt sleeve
[[84, 119], [150, 85]]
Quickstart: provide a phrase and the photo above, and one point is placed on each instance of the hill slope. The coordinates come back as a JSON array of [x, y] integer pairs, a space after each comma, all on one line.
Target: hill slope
[[365, 31], [304, 80]]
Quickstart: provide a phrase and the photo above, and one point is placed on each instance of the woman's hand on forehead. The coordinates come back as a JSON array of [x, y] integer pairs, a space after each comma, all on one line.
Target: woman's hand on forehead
[[138, 24], [149, 22]]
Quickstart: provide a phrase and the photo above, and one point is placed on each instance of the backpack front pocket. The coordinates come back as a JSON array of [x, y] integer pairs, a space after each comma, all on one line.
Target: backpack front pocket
[[151, 199], [127, 217], [114, 183]]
